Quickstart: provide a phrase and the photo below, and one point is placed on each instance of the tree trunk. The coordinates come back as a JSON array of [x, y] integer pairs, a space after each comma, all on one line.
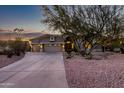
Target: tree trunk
[[77, 45], [103, 49]]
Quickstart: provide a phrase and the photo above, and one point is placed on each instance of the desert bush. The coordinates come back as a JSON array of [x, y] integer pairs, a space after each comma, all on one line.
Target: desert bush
[[3, 43], [14, 47], [116, 43]]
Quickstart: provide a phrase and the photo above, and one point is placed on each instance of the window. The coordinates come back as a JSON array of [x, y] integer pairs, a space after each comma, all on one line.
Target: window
[[52, 38]]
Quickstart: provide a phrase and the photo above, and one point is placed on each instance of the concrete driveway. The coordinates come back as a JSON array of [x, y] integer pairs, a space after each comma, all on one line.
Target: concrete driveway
[[35, 70]]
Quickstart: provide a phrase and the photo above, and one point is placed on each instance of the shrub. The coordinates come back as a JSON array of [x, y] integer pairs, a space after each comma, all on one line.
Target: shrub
[[116, 44], [14, 47]]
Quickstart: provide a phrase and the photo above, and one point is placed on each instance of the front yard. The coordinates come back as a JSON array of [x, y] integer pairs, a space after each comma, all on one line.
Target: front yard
[[103, 73], [4, 60]]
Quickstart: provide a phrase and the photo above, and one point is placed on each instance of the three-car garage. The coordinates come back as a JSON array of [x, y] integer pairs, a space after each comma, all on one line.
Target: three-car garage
[[48, 43]]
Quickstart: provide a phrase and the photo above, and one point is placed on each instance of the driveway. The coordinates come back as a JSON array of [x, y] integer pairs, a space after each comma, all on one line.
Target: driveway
[[35, 70]]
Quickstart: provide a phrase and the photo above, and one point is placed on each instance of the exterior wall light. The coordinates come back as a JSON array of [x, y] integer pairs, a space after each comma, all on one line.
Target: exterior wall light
[[63, 46], [72, 45], [68, 42], [41, 46], [121, 42]]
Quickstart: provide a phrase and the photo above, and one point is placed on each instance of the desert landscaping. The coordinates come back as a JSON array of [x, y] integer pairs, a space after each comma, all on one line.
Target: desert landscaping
[[4, 60], [106, 73]]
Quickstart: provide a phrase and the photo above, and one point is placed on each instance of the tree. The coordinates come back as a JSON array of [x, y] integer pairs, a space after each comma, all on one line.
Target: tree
[[85, 24], [18, 32], [18, 44], [115, 26], [61, 18]]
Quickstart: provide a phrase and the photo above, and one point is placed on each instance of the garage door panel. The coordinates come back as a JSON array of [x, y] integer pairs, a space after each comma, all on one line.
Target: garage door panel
[[52, 48]]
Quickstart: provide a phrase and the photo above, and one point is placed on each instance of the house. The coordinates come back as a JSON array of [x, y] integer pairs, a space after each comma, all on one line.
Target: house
[[48, 43]]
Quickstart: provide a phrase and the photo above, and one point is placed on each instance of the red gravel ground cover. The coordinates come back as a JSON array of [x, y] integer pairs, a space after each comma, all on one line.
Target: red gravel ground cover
[[104, 73], [4, 61]]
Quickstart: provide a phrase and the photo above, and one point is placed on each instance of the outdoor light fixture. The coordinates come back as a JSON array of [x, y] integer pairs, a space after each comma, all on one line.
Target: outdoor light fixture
[[63, 46], [41, 46], [68, 42], [30, 43], [72, 45], [121, 42]]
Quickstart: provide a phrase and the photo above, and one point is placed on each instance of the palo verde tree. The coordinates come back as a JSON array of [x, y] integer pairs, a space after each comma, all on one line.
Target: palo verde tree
[[84, 24], [100, 21], [62, 18]]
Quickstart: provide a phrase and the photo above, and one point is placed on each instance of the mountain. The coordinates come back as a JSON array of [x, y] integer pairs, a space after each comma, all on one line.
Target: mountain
[[12, 36]]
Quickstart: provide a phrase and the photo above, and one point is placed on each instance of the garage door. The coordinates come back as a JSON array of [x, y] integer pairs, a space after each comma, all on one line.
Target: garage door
[[52, 48]]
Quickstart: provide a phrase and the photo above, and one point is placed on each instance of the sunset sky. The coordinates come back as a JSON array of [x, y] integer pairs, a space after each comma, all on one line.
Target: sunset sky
[[26, 17]]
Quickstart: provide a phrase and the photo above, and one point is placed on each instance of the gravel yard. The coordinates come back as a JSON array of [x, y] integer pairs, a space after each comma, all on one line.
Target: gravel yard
[[104, 73], [4, 61]]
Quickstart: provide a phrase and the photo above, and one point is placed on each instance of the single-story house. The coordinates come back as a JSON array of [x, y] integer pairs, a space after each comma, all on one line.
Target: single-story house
[[48, 43]]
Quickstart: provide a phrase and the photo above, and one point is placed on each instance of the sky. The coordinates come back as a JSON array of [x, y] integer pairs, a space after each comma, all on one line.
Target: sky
[[20, 16]]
